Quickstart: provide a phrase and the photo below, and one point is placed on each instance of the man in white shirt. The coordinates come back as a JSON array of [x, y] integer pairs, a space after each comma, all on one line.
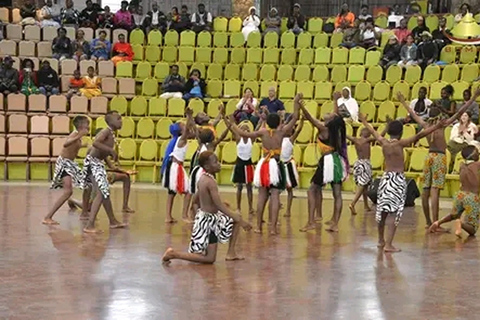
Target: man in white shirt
[[422, 104], [155, 19], [395, 17], [202, 20]]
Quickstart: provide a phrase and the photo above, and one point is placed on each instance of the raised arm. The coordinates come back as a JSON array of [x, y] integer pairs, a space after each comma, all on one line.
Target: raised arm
[[336, 96], [408, 141], [189, 126], [244, 134], [298, 130], [410, 111], [78, 136], [351, 139], [317, 124], [221, 111], [297, 102], [374, 132], [464, 108], [221, 138]]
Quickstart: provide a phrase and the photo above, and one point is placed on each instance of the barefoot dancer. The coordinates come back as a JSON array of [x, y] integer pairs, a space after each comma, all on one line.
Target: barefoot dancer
[[332, 166], [269, 175], [466, 203], [393, 186], [286, 156], [435, 167], [174, 176], [96, 175], [362, 168], [214, 221], [67, 172]]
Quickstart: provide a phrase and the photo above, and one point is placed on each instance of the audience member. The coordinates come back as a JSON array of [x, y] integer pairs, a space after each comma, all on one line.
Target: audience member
[[61, 45], [272, 22], [462, 135], [439, 36], [421, 105], [247, 108], [364, 15], [100, 47], [28, 12], [473, 109], [28, 78], [344, 19], [185, 20], [74, 85], [402, 32], [138, 16], [81, 47], [8, 77], [427, 52], [419, 29], [155, 19], [174, 84], [173, 17], [202, 20], [408, 53], [48, 83], [272, 103], [250, 23], [50, 15], [351, 36], [347, 105], [91, 84], [446, 104], [123, 18], [296, 22], [195, 86], [69, 16], [89, 15], [369, 35], [391, 52], [106, 19], [464, 9], [395, 17], [122, 51]]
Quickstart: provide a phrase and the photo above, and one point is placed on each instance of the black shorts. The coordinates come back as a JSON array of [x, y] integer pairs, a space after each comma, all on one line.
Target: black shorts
[[212, 238]]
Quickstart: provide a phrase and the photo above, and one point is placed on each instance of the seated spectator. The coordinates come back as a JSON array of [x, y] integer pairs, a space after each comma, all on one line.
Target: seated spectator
[[28, 78], [195, 86], [137, 15], [345, 19], [61, 45], [369, 35], [122, 51], [91, 84], [123, 18], [50, 15], [402, 32], [29, 13], [413, 8], [247, 108], [174, 84], [250, 23], [419, 29], [202, 20], [473, 109], [8, 77], [272, 22], [48, 83], [395, 17], [464, 9], [421, 105], [155, 19], [351, 36], [364, 15], [100, 47], [185, 20], [427, 52], [172, 17], [408, 53], [81, 47], [89, 15], [106, 19], [391, 52], [446, 104], [439, 36], [69, 16], [75, 84], [347, 105], [462, 135], [271, 103], [296, 22]]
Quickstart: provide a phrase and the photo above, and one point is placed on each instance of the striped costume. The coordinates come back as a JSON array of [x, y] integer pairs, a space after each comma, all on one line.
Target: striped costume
[[362, 172], [286, 156], [391, 195], [66, 167], [243, 170], [209, 228], [94, 170]]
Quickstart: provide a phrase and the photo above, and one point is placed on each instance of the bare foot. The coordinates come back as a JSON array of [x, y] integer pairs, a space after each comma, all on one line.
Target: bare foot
[[187, 220], [257, 230], [83, 217], [329, 222], [381, 244], [233, 257], [49, 222], [118, 225], [332, 228], [287, 215], [367, 209], [458, 228], [433, 227], [168, 255], [308, 226], [251, 212], [441, 230], [128, 210], [170, 220], [391, 249], [71, 204], [92, 230], [351, 206], [318, 219], [273, 232]]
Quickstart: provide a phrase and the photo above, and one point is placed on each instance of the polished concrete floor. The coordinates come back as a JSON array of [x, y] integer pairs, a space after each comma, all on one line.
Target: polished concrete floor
[[58, 273]]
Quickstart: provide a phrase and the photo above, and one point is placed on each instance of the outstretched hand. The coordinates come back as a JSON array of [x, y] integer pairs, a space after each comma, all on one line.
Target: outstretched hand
[[337, 95], [362, 117], [476, 94], [400, 97], [298, 97], [188, 111]]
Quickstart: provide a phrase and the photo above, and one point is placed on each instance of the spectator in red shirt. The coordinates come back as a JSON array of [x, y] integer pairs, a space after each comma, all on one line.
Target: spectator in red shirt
[[402, 32]]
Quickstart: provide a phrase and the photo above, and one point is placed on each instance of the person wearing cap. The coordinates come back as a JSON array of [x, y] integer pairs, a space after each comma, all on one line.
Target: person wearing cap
[[419, 29], [8, 77], [391, 52], [427, 50], [201, 20], [250, 23], [272, 22], [123, 18], [296, 22], [344, 19], [61, 45]]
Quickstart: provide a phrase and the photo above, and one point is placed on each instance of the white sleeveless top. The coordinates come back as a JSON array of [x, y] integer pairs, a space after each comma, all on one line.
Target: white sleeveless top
[[244, 150], [179, 153], [203, 148], [287, 150]]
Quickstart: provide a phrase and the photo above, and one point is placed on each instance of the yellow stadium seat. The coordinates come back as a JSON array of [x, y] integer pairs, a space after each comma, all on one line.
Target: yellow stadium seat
[[157, 106], [232, 72], [469, 72], [340, 85], [176, 107], [268, 73], [336, 39], [327, 107], [381, 91], [356, 55], [213, 107], [235, 24], [252, 85], [203, 55], [436, 89], [138, 37], [285, 72], [306, 56], [450, 73], [394, 74], [448, 54], [372, 58], [315, 25], [287, 40], [187, 38], [401, 113], [145, 128], [458, 88], [340, 55], [385, 110], [220, 39], [220, 24], [381, 21], [363, 90], [231, 106], [220, 56], [320, 40], [171, 38], [127, 152], [119, 104], [413, 74], [302, 73], [124, 69], [231, 88], [412, 22], [322, 55], [215, 71], [475, 86], [304, 40], [138, 52], [128, 128], [305, 135], [431, 73], [186, 54], [183, 69], [221, 126], [155, 38], [265, 87], [385, 37], [238, 55], [204, 39], [323, 90], [214, 88], [356, 73], [138, 106], [339, 74], [163, 128], [196, 105], [150, 87], [432, 22], [271, 40], [376, 157], [368, 109], [307, 88], [400, 86], [237, 40], [320, 73], [169, 54], [273, 56], [311, 155], [254, 39], [144, 70], [254, 55], [289, 56], [161, 71], [312, 107], [468, 54], [146, 163]]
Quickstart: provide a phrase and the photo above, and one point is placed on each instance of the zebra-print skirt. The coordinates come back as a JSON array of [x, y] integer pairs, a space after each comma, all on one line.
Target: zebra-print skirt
[[195, 175], [208, 226], [66, 167], [362, 172], [94, 169], [391, 195]]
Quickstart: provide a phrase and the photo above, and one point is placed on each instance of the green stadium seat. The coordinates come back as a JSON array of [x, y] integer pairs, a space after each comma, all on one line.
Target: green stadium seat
[[306, 56], [214, 88], [213, 107], [137, 36], [220, 39], [187, 38], [469, 72], [220, 24], [155, 38], [231, 89], [285, 72], [450, 73], [150, 87], [413, 74], [186, 54], [254, 55], [320, 40], [304, 40], [237, 40], [220, 56], [356, 73], [431, 73], [271, 40], [204, 55], [249, 72], [323, 90], [372, 58], [124, 69], [302, 73], [394, 74], [238, 55], [339, 74], [157, 106], [289, 56], [169, 54], [152, 54], [307, 88], [215, 71], [369, 110], [128, 128], [138, 53], [381, 91], [315, 25], [322, 55], [336, 39], [287, 89], [273, 56], [386, 110], [356, 55], [171, 38], [400, 86], [254, 40], [144, 70], [287, 40], [161, 71], [268, 72], [381, 21], [363, 89], [340, 55], [320, 73], [145, 129], [204, 39], [176, 107], [232, 72]]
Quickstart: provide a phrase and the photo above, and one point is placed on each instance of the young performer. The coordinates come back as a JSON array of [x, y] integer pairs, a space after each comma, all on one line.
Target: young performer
[[96, 175], [466, 203], [435, 167], [174, 176], [286, 156], [214, 221], [332, 166], [393, 186], [362, 168], [269, 175], [67, 172]]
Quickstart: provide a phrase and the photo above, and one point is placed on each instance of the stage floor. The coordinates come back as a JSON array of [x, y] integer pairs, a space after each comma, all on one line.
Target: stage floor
[[59, 273]]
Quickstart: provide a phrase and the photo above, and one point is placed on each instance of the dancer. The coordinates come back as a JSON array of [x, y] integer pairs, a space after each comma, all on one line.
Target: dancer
[[269, 175], [393, 186], [67, 172], [435, 167], [286, 156], [466, 203], [214, 221], [96, 175], [362, 168], [332, 166], [174, 176]]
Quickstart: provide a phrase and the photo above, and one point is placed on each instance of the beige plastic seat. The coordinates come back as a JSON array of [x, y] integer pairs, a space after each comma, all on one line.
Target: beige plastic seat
[[44, 49], [85, 64], [36, 63], [16, 63], [126, 87], [65, 83], [17, 149], [26, 49], [71, 33], [17, 124], [37, 103], [14, 32], [109, 87], [60, 125], [88, 33], [49, 33], [2, 149], [117, 32], [106, 68], [78, 105], [39, 125], [39, 149], [2, 123], [57, 146], [4, 15], [32, 33], [57, 104], [68, 66], [16, 102], [99, 105], [16, 17], [8, 48]]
